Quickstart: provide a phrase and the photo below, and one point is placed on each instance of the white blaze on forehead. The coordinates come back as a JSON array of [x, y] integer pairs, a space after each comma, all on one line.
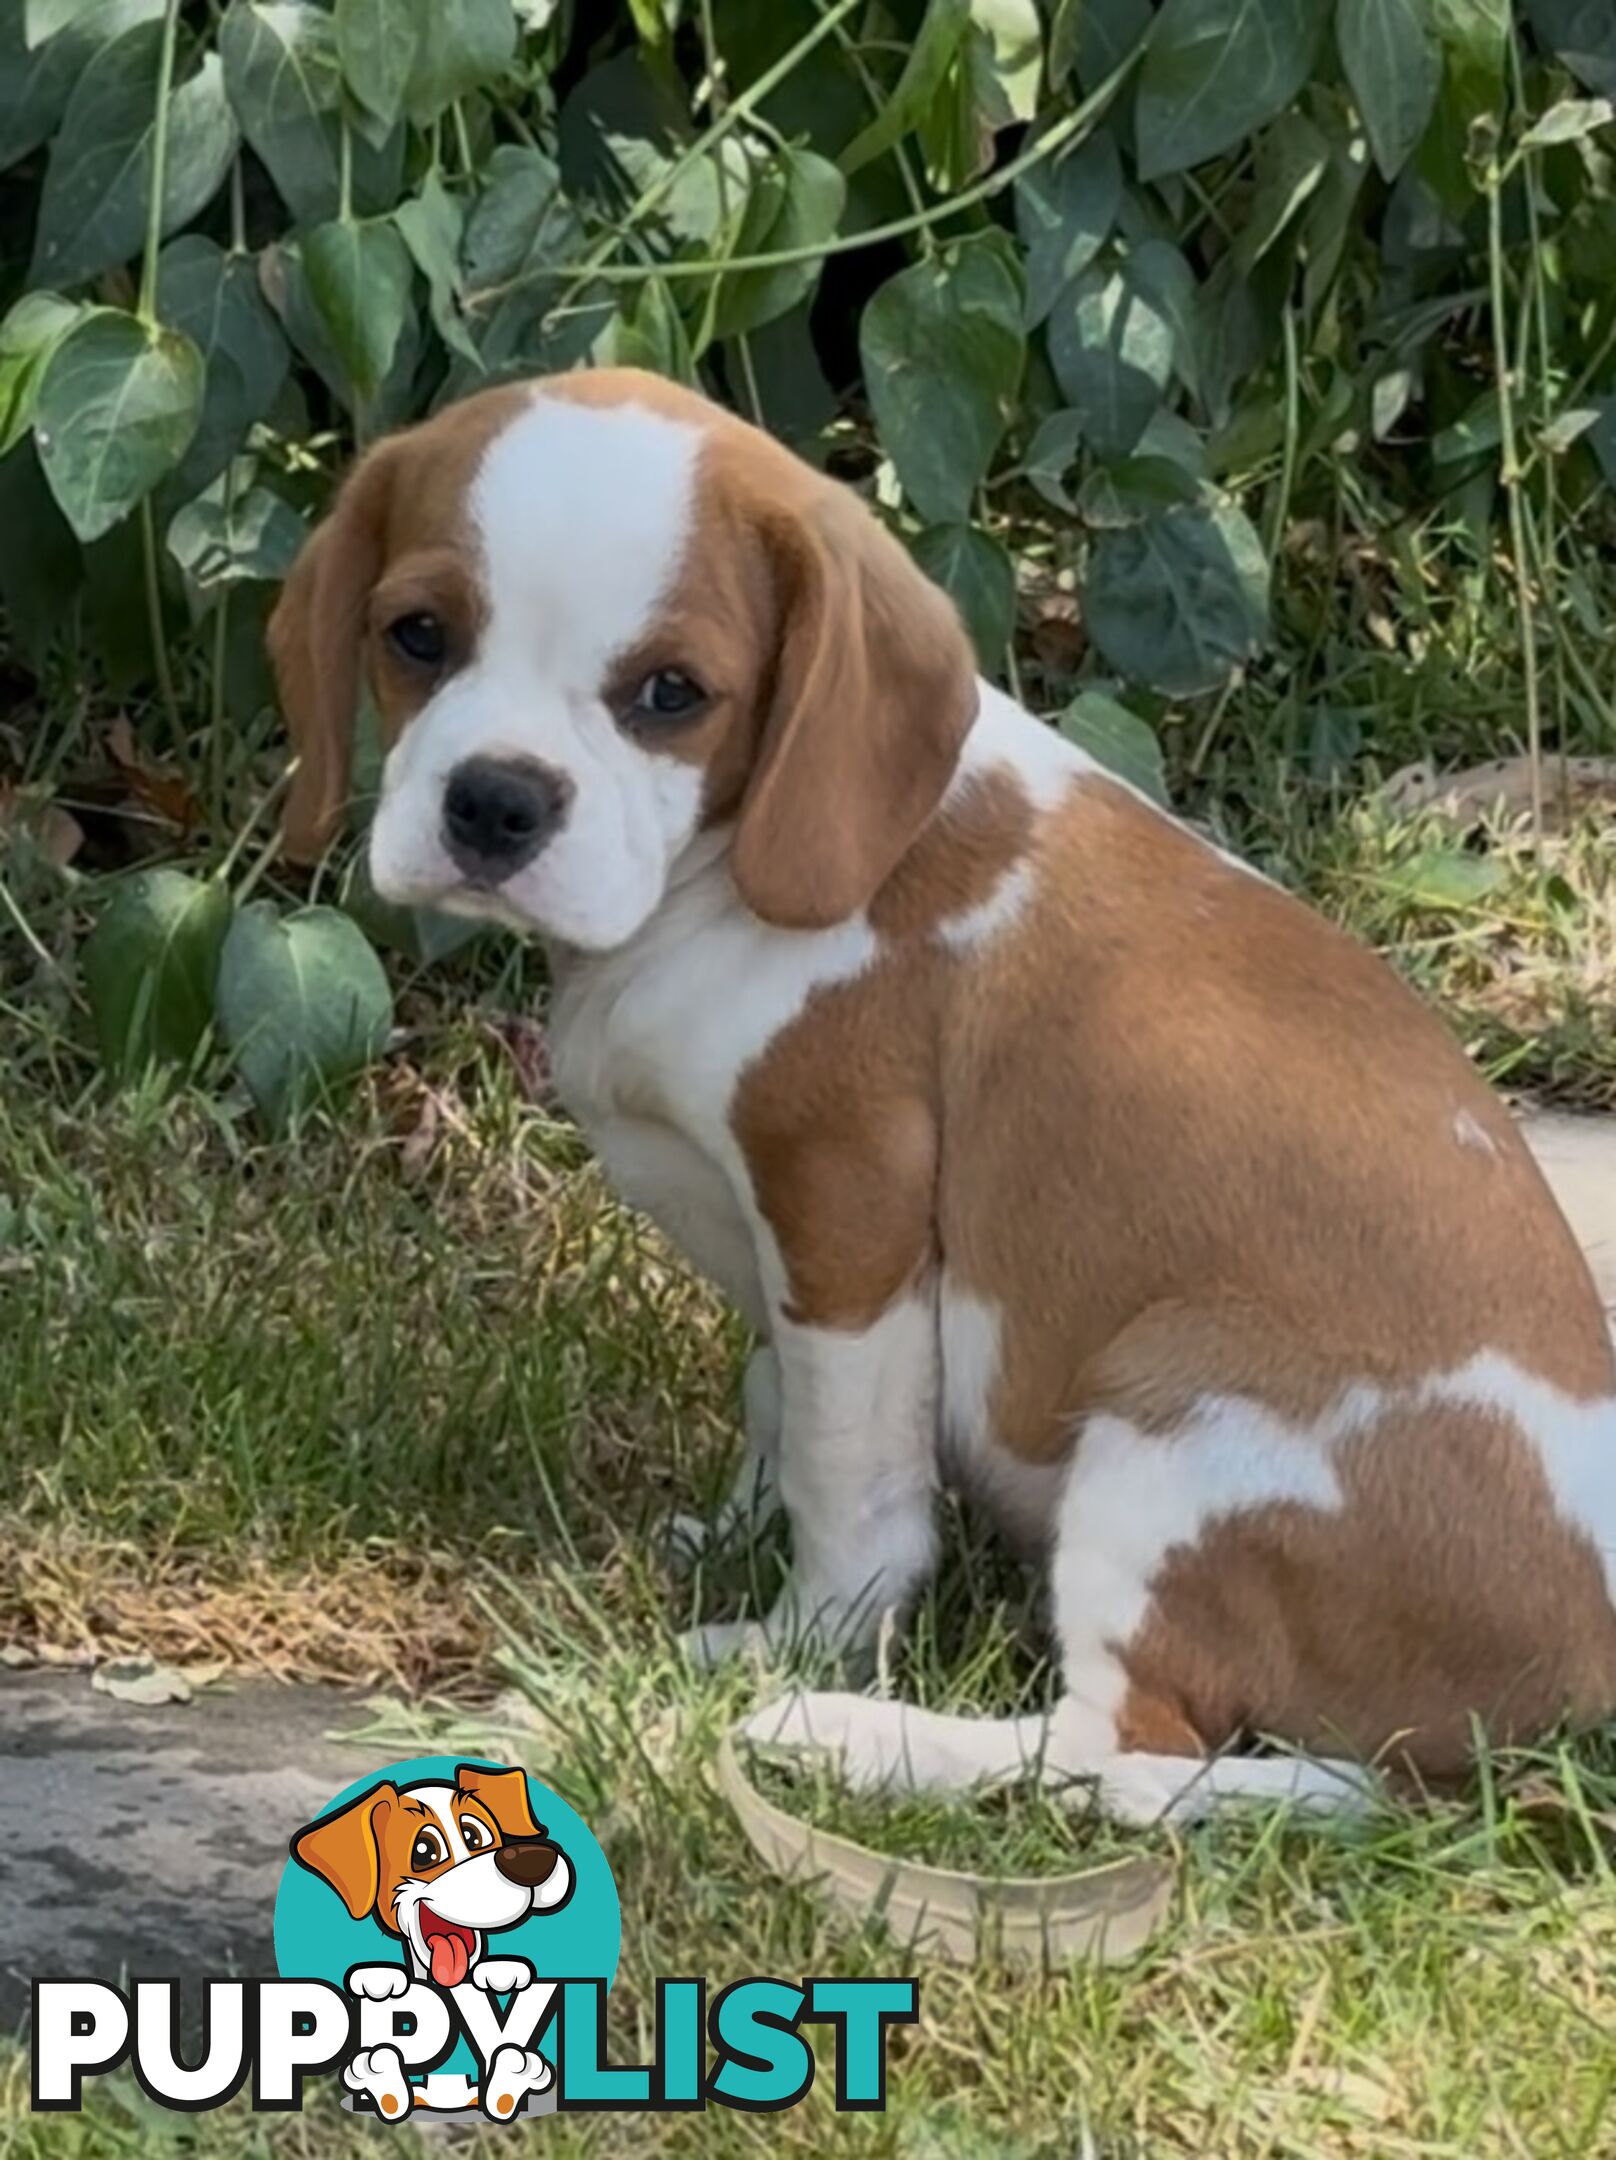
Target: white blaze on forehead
[[582, 514]]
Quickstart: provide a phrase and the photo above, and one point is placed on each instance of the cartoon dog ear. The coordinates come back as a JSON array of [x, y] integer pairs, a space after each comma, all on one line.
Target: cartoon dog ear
[[343, 1849], [504, 1794]]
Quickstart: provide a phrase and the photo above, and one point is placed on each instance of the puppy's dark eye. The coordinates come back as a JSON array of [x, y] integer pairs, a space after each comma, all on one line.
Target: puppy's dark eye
[[474, 1833], [427, 1850], [667, 695], [418, 638]]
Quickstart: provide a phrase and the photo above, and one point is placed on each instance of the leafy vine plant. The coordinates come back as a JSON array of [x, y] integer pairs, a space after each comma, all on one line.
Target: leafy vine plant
[[1101, 301]]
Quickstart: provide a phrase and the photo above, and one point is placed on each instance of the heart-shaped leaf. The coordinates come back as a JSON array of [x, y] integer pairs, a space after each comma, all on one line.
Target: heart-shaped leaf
[[303, 1003], [92, 212], [215, 299], [943, 349], [1111, 345], [117, 408], [1393, 62], [283, 74], [230, 537], [149, 969], [37, 77], [795, 203], [359, 278], [28, 336], [976, 572], [1215, 70], [462, 45], [1179, 599], [1117, 739], [432, 225], [1064, 211], [377, 43]]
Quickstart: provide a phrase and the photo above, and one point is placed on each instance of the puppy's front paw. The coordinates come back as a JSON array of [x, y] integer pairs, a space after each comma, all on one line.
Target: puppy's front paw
[[498, 1976], [380, 2073], [512, 2075], [378, 1983]]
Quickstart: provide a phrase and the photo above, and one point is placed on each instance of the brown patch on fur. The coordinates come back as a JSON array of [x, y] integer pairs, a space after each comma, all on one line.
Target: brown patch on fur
[[1446, 1588], [969, 847], [1188, 1106], [839, 1119]]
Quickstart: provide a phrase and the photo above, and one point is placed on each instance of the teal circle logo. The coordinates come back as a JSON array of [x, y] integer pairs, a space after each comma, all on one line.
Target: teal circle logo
[[464, 1879]]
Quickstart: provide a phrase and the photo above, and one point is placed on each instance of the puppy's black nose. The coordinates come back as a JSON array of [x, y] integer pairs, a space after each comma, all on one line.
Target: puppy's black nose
[[497, 814]]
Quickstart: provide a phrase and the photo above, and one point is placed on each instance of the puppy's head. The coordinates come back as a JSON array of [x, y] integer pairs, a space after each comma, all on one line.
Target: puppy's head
[[600, 617], [440, 1866]]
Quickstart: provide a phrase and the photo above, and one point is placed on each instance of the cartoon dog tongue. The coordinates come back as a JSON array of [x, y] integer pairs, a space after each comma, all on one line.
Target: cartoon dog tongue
[[451, 1958]]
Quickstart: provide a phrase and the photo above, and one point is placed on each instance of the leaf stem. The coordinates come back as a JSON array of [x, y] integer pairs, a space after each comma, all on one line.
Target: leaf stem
[[147, 307], [159, 640], [595, 265], [1511, 477]]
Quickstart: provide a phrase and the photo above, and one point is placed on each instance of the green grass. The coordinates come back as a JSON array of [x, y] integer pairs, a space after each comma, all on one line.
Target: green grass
[[332, 1362]]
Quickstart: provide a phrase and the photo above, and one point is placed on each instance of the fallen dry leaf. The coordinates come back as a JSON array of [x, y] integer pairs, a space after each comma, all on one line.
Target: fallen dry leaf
[[1503, 787], [166, 793], [141, 1681]]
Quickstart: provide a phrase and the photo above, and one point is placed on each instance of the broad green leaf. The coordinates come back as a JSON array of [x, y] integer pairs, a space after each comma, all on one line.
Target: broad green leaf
[[283, 75], [1052, 454], [1117, 739], [235, 537], [976, 572], [521, 223], [795, 202], [1179, 600], [150, 965], [1582, 33], [117, 408], [1065, 209], [43, 18], [1446, 878], [432, 224], [28, 336], [1567, 122], [1393, 63], [933, 47], [1010, 41], [1215, 70], [1328, 218], [377, 43], [37, 81], [93, 208], [1137, 487], [359, 279], [395, 402], [1092, 38], [462, 46], [1111, 346], [943, 349], [214, 298], [1474, 37], [1292, 160], [302, 1003], [649, 333]]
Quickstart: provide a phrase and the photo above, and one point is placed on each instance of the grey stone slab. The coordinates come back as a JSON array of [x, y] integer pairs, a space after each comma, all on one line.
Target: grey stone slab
[[1578, 1157], [150, 1841]]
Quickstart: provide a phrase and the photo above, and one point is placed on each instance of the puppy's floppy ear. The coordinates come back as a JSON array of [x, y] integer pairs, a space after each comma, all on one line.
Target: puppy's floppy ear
[[316, 636], [343, 1848], [874, 692], [504, 1794]]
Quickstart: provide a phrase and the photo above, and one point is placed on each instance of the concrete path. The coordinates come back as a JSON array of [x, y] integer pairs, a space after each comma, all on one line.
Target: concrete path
[[1578, 1157], [151, 1840]]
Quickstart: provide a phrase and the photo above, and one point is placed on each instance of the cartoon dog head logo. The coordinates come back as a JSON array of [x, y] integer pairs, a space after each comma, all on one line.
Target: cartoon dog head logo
[[445, 1858], [441, 1866]]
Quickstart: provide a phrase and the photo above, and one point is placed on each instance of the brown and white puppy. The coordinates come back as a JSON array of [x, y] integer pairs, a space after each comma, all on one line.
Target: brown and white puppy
[[1049, 1150]]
